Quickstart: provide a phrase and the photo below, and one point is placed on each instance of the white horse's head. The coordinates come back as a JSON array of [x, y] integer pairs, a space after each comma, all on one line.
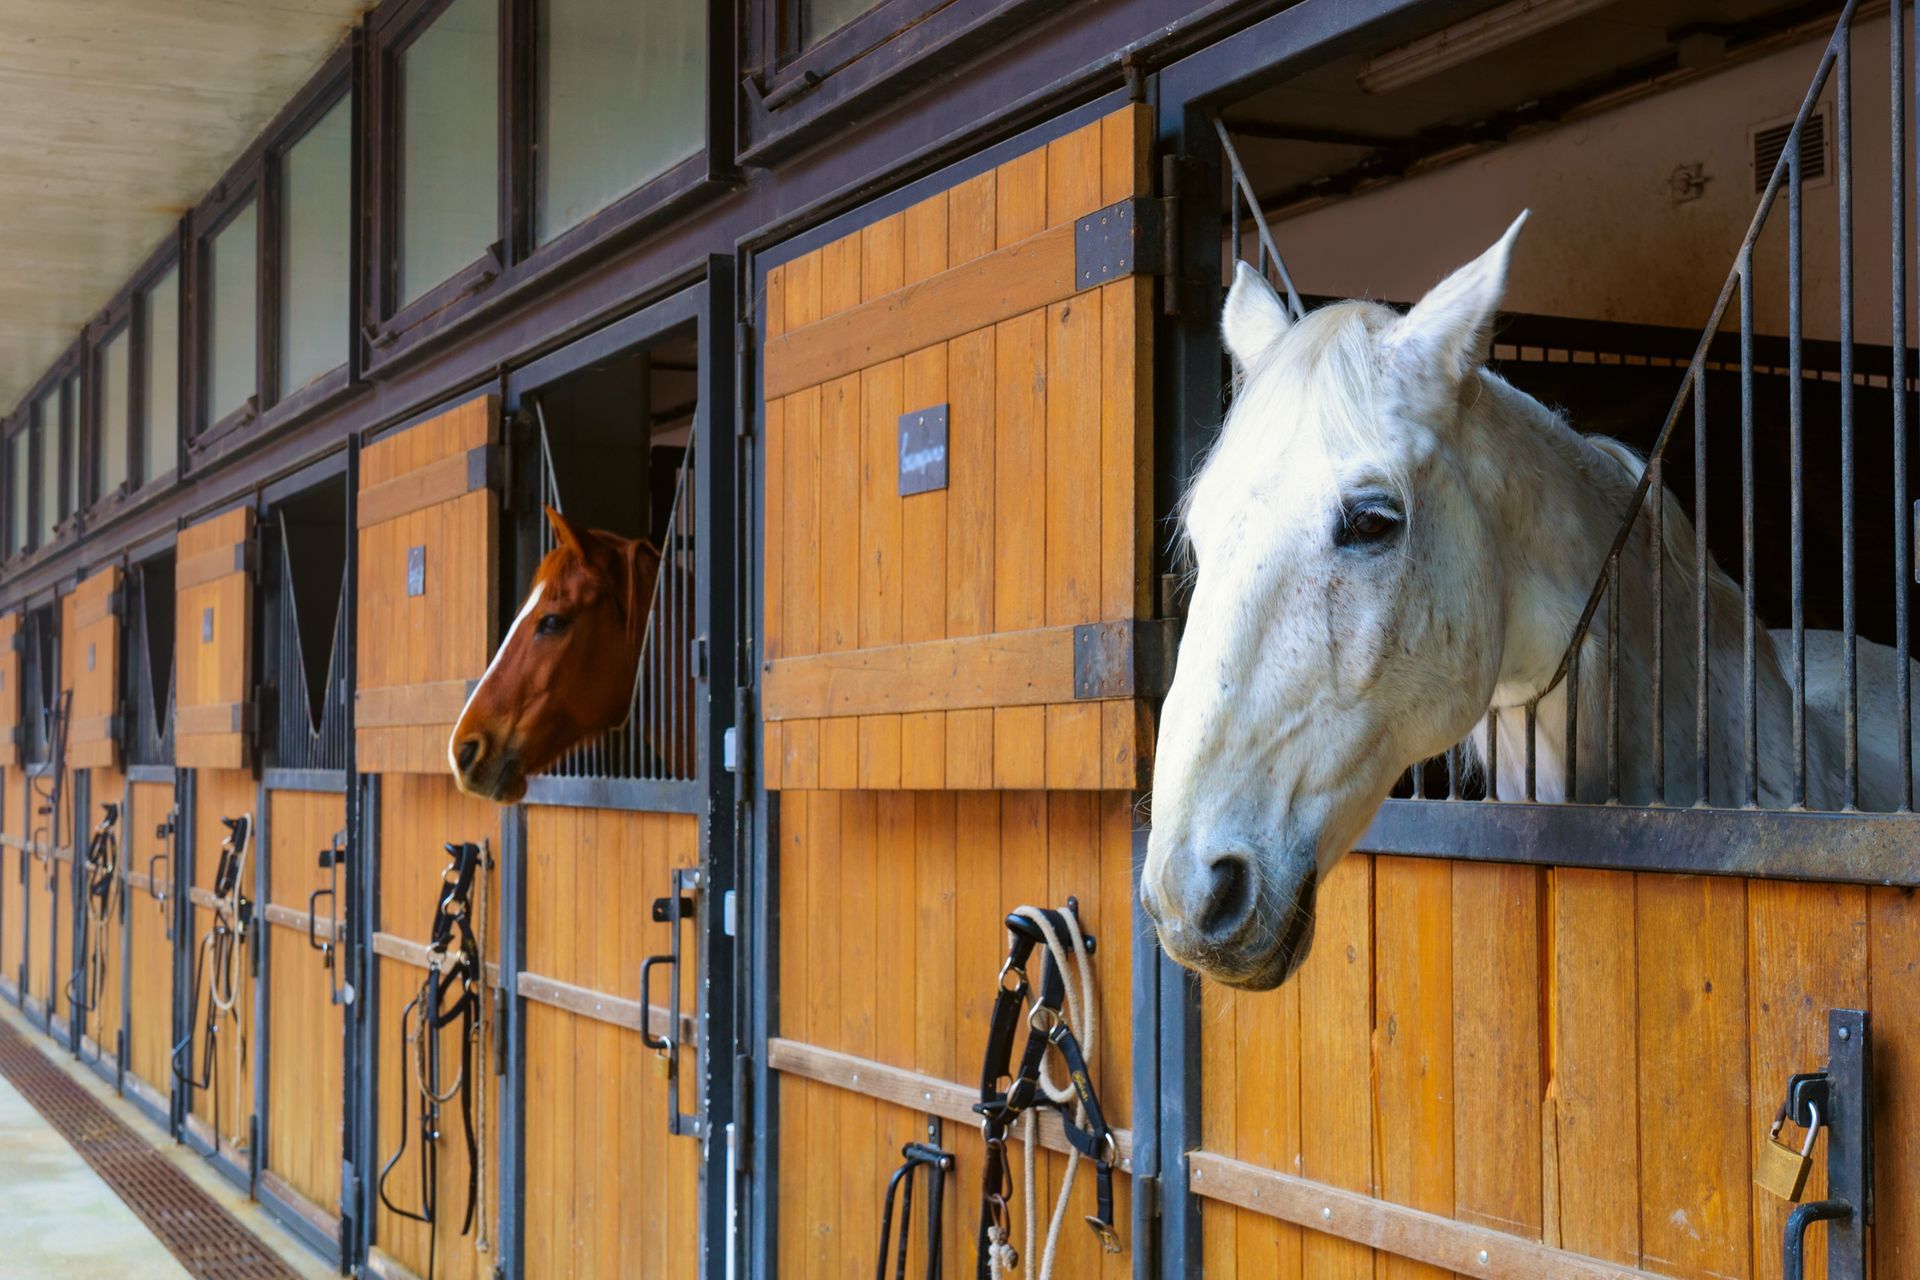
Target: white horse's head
[[1346, 616]]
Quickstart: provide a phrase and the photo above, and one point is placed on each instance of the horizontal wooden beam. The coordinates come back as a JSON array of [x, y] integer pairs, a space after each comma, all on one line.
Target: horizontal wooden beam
[[909, 1089], [391, 706], [1009, 282], [1392, 1228], [393, 947], [601, 1007], [211, 566], [296, 919], [1002, 669], [213, 717], [453, 476]]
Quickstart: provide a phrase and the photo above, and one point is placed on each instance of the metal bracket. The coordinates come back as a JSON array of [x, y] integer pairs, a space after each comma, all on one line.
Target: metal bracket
[[1843, 1093], [1127, 238], [1129, 659], [417, 570]]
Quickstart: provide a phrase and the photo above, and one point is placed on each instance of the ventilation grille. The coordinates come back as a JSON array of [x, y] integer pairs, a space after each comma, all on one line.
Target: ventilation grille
[[1770, 141]]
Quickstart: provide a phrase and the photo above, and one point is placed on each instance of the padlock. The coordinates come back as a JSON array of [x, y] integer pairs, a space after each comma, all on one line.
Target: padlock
[[660, 1067], [1783, 1171]]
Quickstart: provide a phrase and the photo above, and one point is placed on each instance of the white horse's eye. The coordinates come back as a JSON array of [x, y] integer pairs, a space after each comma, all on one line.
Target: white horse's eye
[[1367, 523]]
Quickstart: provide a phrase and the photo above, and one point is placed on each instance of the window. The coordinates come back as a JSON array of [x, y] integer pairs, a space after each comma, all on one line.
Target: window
[[622, 99], [18, 490], [160, 378], [232, 322], [316, 228], [115, 391], [70, 496], [46, 434], [449, 158], [820, 18]]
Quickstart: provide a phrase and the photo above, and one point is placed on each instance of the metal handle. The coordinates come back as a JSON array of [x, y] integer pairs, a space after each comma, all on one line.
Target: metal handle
[[313, 942], [660, 1044], [1793, 1249]]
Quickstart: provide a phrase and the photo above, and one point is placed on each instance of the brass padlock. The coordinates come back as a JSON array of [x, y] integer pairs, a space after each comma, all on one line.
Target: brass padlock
[[1783, 1171], [661, 1068]]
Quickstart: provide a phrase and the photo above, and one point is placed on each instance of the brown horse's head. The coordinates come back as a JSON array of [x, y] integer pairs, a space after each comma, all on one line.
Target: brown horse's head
[[565, 670]]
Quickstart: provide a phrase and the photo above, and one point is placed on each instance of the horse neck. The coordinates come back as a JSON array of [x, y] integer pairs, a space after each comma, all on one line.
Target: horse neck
[[1562, 499]]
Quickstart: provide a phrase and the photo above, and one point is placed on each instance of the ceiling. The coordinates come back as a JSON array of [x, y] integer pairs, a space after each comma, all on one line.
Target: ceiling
[[1322, 135], [117, 116]]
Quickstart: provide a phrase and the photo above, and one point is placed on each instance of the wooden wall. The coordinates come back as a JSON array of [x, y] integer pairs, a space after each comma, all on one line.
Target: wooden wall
[[891, 912], [425, 491], [90, 654], [958, 300], [223, 793], [418, 815], [307, 1030], [624, 1202], [150, 973], [1587, 1059]]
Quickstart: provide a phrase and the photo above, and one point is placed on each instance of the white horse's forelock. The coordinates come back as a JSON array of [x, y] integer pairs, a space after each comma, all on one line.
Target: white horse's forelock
[[1312, 397]]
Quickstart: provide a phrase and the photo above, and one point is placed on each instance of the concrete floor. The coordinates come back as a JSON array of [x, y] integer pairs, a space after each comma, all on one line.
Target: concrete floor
[[59, 1221]]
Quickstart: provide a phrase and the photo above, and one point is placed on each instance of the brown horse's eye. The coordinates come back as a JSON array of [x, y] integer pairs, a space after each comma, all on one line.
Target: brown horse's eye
[[551, 624]]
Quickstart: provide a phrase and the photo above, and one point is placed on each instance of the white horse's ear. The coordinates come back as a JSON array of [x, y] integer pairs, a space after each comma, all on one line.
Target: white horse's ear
[[1254, 317], [1450, 331]]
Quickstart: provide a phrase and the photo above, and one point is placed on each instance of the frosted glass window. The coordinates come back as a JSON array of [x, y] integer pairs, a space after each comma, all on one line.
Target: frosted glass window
[[161, 378], [70, 446], [622, 99], [115, 385], [233, 314], [821, 18], [17, 493], [316, 178], [46, 429], [449, 145]]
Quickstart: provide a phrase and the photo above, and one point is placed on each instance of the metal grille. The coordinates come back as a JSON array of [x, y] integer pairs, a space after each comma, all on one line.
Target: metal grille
[[1738, 378], [659, 741], [208, 1241], [148, 666], [309, 732], [41, 684]]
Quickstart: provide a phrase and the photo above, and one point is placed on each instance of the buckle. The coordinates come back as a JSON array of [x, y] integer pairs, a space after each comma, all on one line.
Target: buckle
[[1109, 1238]]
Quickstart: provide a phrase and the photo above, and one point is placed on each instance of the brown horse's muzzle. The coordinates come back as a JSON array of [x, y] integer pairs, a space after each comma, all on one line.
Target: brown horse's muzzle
[[482, 768]]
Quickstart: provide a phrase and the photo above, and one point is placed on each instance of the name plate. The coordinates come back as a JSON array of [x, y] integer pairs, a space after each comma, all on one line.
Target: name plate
[[923, 450]]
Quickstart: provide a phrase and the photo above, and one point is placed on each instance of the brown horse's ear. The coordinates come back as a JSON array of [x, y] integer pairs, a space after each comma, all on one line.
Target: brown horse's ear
[[571, 537]]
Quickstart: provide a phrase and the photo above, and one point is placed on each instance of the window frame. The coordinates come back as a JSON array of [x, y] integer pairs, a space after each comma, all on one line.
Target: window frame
[[114, 320], [337, 81], [11, 428], [515, 262], [66, 434], [170, 256], [791, 97], [242, 186]]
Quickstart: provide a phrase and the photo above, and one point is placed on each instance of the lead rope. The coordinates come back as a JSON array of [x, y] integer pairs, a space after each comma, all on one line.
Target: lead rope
[[89, 980]]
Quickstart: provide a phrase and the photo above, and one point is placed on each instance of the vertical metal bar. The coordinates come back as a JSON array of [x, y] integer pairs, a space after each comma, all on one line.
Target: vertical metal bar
[[509, 1241], [1453, 773], [1570, 772], [1750, 782], [1850, 629], [1796, 450], [1702, 567], [1897, 384], [1533, 749], [1656, 530], [1613, 678], [1493, 754]]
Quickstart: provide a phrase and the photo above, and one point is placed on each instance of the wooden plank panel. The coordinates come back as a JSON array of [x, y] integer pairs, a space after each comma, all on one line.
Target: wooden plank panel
[[841, 497], [1594, 1051], [1497, 1029], [1015, 279], [1894, 992], [1807, 949], [1336, 1022], [1029, 668], [1074, 179], [1413, 1023], [1020, 469], [1696, 1165]]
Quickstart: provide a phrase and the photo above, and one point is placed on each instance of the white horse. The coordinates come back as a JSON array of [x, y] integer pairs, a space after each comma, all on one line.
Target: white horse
[[1393, 549]]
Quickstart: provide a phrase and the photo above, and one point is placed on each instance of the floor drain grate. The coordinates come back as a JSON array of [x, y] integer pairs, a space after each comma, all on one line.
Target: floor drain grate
[[208, 1241]]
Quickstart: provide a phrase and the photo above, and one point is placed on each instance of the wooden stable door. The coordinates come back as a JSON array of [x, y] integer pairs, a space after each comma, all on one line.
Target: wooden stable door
[[1565, 1072], [937, 762], [929, 640], [92, 647], [429, 527], [213, 630], [305, 1042], [147, 851]]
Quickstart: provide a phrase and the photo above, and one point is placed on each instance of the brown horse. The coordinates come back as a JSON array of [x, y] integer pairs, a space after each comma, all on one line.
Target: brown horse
[[567, 669]]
